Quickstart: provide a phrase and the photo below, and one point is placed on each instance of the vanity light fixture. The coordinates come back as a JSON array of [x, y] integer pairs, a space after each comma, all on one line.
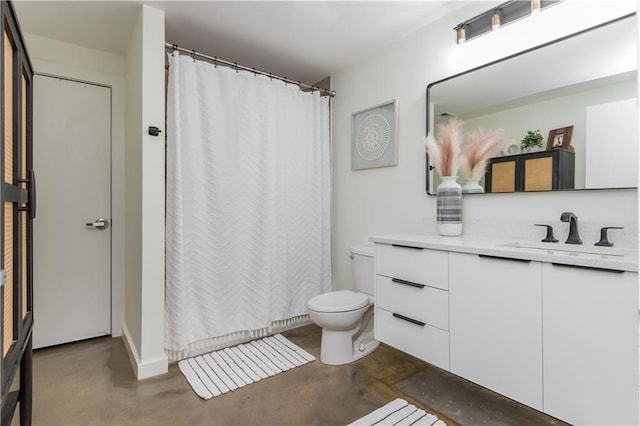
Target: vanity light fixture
[[498, 17]]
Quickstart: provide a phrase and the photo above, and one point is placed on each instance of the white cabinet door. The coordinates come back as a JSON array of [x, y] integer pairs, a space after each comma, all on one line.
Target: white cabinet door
[[495, 324], [590, 321]]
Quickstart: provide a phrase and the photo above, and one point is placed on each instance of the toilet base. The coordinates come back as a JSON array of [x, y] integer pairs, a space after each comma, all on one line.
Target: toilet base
[[340, 347]]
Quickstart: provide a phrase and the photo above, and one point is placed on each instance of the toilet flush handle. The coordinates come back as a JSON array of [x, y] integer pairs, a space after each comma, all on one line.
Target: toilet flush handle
[[351, 256]]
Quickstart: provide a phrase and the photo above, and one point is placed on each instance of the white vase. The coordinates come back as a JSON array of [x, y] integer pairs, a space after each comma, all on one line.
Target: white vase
[[472, 186], [449, 207]]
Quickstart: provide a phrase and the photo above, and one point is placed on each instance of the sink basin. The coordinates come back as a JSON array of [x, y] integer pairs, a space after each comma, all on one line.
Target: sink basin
[[567, 248]]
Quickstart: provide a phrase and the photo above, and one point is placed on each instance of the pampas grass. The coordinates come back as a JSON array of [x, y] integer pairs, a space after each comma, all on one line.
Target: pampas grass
[[444, 149], [482, 145]]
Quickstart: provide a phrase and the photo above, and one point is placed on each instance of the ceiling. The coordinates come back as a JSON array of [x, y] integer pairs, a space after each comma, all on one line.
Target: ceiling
[[301, 40]]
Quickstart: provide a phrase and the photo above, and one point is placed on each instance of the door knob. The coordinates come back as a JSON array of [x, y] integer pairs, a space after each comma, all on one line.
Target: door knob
[[100, 223]]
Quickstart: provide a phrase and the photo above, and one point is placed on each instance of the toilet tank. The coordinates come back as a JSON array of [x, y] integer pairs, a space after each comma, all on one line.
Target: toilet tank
[[362, 268]]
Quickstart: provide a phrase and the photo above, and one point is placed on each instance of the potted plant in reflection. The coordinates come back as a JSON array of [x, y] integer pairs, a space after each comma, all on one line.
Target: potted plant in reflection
[[475, 155], [532, 141]]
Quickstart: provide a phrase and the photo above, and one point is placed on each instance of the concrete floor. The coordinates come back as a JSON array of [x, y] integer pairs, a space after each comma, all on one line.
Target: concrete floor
[[92, 382]]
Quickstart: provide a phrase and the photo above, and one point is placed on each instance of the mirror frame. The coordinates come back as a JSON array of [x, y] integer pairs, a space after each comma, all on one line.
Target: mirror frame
[[429, 167]]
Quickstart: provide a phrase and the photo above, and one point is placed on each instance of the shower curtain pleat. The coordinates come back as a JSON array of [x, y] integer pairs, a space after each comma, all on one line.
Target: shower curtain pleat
[[248, 204]]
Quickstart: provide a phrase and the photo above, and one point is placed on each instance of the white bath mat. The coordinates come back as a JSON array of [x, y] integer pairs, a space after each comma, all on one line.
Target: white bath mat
[[399, 412], [231, 368]]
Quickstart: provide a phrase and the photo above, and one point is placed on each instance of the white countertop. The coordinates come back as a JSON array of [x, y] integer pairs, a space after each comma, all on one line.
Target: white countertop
[[565, 254]]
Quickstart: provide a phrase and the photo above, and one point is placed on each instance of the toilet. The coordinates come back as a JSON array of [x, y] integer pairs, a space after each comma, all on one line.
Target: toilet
[[346, 317]]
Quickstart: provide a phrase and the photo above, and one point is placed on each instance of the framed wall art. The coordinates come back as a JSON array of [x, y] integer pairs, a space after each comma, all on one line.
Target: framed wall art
[[374, 136]]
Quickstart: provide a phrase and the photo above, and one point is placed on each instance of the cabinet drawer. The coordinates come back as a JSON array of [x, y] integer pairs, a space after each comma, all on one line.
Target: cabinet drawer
[[427, 304], [423, 266], [422, 341]]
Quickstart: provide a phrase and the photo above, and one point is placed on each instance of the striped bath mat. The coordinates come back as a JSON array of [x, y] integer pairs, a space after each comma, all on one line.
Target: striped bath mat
[[231, 368], [399, 412]]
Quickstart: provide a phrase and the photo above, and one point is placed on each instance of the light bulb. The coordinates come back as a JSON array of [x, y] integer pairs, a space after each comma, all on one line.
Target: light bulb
[[495, 21], [535, 6], [462, 35]]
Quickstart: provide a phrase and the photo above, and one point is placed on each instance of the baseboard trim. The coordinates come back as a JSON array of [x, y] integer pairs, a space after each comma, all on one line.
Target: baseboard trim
[[148, 368]]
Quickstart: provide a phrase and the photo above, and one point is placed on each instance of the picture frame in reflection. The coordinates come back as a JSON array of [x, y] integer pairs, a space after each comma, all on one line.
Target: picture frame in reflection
[[560, 139]]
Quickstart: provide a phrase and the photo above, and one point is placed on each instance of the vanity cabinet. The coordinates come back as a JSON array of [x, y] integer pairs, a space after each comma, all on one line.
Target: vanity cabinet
[[412, 301], [536, 171], [558, 338], [496, 324], [590, 322]]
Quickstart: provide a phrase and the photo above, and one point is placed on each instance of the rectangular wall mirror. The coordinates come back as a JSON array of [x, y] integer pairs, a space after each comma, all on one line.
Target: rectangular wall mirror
[[586, 81]]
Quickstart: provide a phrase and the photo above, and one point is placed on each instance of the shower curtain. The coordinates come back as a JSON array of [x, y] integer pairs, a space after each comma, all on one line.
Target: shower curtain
[[248, 205]]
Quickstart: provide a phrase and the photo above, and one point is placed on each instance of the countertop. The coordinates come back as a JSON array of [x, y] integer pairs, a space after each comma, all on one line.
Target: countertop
[[611, 258]]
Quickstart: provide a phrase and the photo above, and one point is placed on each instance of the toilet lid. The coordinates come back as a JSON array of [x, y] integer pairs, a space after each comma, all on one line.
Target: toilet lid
[[338, 301]]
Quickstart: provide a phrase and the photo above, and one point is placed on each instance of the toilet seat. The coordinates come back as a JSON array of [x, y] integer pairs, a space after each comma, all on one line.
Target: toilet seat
[[338, 301]]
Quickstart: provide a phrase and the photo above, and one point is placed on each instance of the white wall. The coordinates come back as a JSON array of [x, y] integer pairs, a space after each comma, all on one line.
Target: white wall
[[67, 60], [143, 325], [393, 199], [153, 186], [132, 324]]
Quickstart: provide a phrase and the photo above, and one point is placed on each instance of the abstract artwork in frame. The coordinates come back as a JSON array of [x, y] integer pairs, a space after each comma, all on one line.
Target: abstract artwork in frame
[[374, 136]]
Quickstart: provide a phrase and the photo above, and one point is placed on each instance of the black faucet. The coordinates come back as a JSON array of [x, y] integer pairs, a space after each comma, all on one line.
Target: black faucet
[[574, 237]]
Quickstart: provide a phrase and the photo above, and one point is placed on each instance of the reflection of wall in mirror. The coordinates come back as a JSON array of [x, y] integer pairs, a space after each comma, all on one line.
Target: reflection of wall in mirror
[[613, 163], [556, 113]]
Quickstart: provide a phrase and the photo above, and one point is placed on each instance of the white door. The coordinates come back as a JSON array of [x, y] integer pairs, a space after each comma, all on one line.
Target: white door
[[72, 245]]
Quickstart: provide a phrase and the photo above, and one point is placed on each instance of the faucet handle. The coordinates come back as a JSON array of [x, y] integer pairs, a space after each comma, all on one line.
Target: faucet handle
[[604, 242], [549, 238]]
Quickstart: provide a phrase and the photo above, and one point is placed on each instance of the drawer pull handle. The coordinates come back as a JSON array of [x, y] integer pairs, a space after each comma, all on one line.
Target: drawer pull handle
[[486, 256], [411, 320], [592, 268], [407, 247], [412, 284]]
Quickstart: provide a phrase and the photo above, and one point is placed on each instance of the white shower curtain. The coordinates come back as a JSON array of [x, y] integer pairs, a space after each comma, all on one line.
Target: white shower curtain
[[248, 205]]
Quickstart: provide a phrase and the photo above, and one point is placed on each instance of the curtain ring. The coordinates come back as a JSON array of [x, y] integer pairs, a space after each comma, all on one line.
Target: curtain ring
[[193, 55], [215, 62], [254, 72], [235, 65], [299, 85], [270, 77]]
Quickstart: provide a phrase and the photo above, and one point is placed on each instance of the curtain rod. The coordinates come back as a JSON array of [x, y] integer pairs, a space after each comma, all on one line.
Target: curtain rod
[[234, 65]]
